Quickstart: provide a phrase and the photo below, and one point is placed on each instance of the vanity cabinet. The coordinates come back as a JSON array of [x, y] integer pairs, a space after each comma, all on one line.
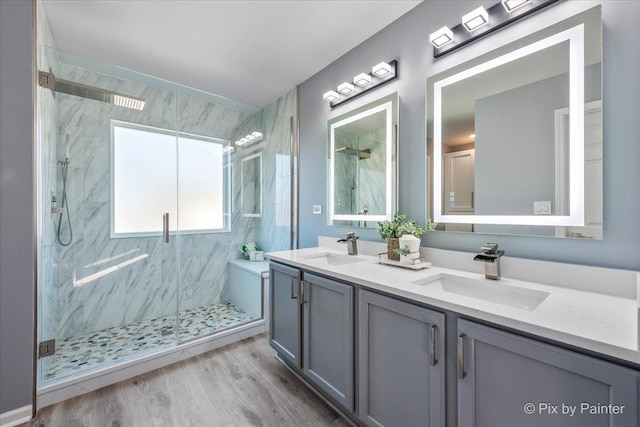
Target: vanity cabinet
[[285, 321], [383, 362], [502, 377], [401, 363], [312, 330], [328, 343]]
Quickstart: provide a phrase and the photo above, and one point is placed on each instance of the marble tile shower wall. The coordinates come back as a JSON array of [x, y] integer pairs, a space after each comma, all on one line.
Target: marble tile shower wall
[[359, 181], [345, 182], [154, 285], [273, 229], [371, 173]]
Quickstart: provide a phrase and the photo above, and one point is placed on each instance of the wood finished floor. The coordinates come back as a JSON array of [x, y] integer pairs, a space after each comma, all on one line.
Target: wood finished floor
[[238, 385]]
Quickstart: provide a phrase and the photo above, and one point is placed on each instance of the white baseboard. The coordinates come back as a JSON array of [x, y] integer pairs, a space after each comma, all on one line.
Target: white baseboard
[[16, 416], [48, 395]]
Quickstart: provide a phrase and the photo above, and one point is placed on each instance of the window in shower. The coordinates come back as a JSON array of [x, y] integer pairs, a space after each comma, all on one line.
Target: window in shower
[[144, 180]]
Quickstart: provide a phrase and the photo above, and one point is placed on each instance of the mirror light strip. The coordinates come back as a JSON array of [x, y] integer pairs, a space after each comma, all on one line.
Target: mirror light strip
[[575, 36]]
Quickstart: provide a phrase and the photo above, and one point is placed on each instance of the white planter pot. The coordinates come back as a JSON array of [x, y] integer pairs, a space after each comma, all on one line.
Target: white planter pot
[[408, 259], [411, 241], [256, 256]]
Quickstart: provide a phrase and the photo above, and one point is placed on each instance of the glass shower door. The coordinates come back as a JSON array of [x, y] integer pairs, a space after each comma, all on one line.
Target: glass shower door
[[207, 238], [108, 277]]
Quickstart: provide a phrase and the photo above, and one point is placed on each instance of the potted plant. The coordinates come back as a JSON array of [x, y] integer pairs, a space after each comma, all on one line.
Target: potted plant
[[388, 231], [249, 250], [391, 232], [411, 232]]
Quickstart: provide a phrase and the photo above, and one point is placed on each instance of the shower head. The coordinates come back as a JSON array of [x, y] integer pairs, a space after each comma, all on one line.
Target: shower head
[[362, 154], [90, 92]]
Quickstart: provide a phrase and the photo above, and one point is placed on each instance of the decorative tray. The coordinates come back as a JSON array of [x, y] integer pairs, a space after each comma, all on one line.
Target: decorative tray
[[418, 264]]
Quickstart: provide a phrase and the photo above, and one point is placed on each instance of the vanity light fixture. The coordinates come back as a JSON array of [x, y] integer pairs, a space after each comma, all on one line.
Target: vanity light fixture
[[512, 5], [362, 79], [228, 149], [475, 19], [345, 89], [380, 74], [441, 37], [481, 22], [473, 135], [381, 69], [330, 96]]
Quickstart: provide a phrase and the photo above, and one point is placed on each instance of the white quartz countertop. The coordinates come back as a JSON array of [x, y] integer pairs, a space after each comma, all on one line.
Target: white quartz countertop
[[600, 322]]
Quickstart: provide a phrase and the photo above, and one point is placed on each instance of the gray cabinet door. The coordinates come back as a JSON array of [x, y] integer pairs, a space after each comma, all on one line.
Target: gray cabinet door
[[284, 327], [401, 363], [328, 337], [508, 380]]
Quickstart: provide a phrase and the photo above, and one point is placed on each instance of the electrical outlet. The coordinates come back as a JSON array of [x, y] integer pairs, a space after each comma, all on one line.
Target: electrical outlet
[[542, 207], [317, 209]]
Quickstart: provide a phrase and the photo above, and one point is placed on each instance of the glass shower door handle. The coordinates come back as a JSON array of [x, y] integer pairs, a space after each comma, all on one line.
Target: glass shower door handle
[[165, 227]]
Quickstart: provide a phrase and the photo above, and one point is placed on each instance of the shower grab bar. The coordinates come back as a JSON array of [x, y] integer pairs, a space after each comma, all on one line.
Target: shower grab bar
[[165, 227]]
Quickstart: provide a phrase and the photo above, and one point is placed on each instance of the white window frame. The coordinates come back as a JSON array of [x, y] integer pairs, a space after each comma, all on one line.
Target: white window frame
[[226, 176]]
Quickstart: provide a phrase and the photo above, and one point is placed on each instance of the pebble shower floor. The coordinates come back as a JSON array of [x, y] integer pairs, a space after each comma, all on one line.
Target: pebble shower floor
[[82, 353]]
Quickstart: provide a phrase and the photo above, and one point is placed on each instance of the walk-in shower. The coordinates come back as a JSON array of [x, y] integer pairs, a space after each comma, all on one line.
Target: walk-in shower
[[118, 151]]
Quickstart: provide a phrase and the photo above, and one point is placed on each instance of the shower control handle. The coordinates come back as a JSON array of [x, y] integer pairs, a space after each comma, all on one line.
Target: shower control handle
[[165, 227]]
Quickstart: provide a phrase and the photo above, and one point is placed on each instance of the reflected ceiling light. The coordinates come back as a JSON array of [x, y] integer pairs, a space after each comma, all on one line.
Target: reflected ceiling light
[[511, 5], [362, 79], [345, 88], [228, 149], [473, 135], [475, 19], [330, 96], [249, 139], [441, 37], [381, 69]]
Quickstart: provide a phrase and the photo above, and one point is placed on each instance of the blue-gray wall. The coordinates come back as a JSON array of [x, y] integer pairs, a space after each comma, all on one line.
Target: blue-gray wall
[[407, 41], [16, 205]]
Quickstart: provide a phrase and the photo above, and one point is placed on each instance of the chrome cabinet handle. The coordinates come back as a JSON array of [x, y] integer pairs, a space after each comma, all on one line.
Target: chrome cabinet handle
[[165, 227], [433, 329], [293, 279], [461, 372], [302, 301]]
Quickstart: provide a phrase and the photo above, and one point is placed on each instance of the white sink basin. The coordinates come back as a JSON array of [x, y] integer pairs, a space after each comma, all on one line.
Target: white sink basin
[[334, 259], [486, 290]]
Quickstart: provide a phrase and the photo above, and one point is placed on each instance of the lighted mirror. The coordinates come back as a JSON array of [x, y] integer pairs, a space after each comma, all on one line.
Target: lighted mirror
[[514, 138], [252, 185], [361, 162]]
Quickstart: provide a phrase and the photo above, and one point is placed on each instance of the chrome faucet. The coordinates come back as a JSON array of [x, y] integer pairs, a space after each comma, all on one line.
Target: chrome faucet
[[490, 255], [352, 245]]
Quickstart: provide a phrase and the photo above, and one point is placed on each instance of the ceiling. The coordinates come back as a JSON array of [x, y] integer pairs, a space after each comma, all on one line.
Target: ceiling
[[248, 51]]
